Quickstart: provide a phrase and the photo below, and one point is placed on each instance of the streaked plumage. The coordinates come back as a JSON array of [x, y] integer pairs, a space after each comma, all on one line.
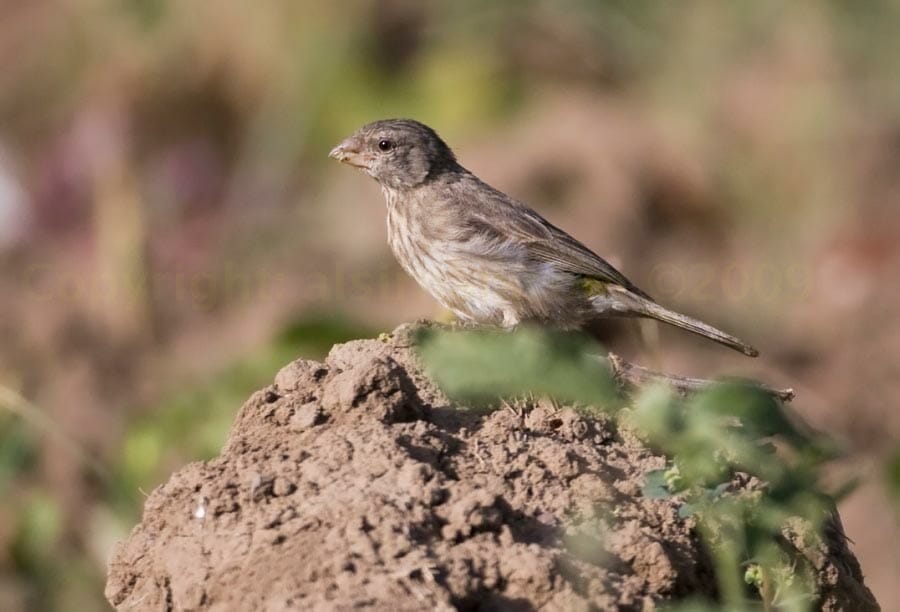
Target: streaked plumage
[[483, 255]]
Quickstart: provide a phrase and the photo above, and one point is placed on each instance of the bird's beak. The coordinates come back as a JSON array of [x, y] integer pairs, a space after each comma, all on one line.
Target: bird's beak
[[348, 152]]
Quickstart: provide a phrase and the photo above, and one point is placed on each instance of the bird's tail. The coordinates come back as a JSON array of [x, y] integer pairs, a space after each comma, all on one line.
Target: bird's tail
[[655, 311], [640, 306]]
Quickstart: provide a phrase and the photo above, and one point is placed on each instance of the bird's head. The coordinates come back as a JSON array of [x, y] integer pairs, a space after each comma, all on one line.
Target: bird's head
[[398, 153]]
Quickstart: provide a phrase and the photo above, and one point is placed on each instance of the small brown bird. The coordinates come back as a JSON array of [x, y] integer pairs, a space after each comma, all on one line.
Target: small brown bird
[[485, 256]]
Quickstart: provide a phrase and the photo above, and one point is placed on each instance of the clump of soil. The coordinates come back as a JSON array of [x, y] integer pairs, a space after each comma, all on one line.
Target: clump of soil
[[356, 483]]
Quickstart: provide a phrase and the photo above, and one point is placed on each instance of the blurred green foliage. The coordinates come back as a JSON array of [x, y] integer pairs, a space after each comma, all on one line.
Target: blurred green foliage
[[467, 366], [710, 439], [18, 450], [892, 475]]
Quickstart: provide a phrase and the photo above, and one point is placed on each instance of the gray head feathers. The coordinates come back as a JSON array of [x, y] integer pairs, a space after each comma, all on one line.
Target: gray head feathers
[[398, 153]]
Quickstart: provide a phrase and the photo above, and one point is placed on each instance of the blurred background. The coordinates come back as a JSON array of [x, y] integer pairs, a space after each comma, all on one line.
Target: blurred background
[[172, 231]]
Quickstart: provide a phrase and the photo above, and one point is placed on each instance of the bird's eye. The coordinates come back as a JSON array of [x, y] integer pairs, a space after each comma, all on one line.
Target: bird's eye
[[385, 145]]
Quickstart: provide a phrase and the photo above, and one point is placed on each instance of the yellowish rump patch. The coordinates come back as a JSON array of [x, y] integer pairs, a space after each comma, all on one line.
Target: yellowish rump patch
[[593, 286]]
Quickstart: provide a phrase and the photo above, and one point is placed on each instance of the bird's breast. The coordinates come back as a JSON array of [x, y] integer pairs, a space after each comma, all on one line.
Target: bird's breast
[[476, 277], [408, 243], [422, 249]]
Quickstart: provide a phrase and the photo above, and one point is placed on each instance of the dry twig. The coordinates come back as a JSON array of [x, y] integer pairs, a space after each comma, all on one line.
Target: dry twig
[[630, 375]]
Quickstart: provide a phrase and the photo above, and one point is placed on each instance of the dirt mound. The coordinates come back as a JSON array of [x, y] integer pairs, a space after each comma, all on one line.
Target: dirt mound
[[355, 482]]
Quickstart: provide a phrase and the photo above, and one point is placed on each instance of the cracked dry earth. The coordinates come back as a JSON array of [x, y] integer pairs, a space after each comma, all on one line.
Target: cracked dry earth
[[355, 483]]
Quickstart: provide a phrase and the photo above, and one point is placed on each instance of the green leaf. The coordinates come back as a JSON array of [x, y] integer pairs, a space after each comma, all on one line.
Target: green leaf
[[655, 485], [720, 490], [893, 478], [477, 365], [687, 510], [759, 413]]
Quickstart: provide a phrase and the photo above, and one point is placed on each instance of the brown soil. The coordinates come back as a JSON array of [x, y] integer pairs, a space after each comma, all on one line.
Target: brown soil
[[356, 483]]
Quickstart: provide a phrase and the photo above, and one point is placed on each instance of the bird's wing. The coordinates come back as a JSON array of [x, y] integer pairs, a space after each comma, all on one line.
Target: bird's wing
[[545, 242], [569, 254]]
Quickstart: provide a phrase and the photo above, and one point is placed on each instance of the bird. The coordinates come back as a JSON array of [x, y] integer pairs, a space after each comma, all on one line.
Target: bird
[[488, 258]]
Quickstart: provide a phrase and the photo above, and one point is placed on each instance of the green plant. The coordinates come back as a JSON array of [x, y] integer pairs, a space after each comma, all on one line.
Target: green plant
[[749, 501]]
